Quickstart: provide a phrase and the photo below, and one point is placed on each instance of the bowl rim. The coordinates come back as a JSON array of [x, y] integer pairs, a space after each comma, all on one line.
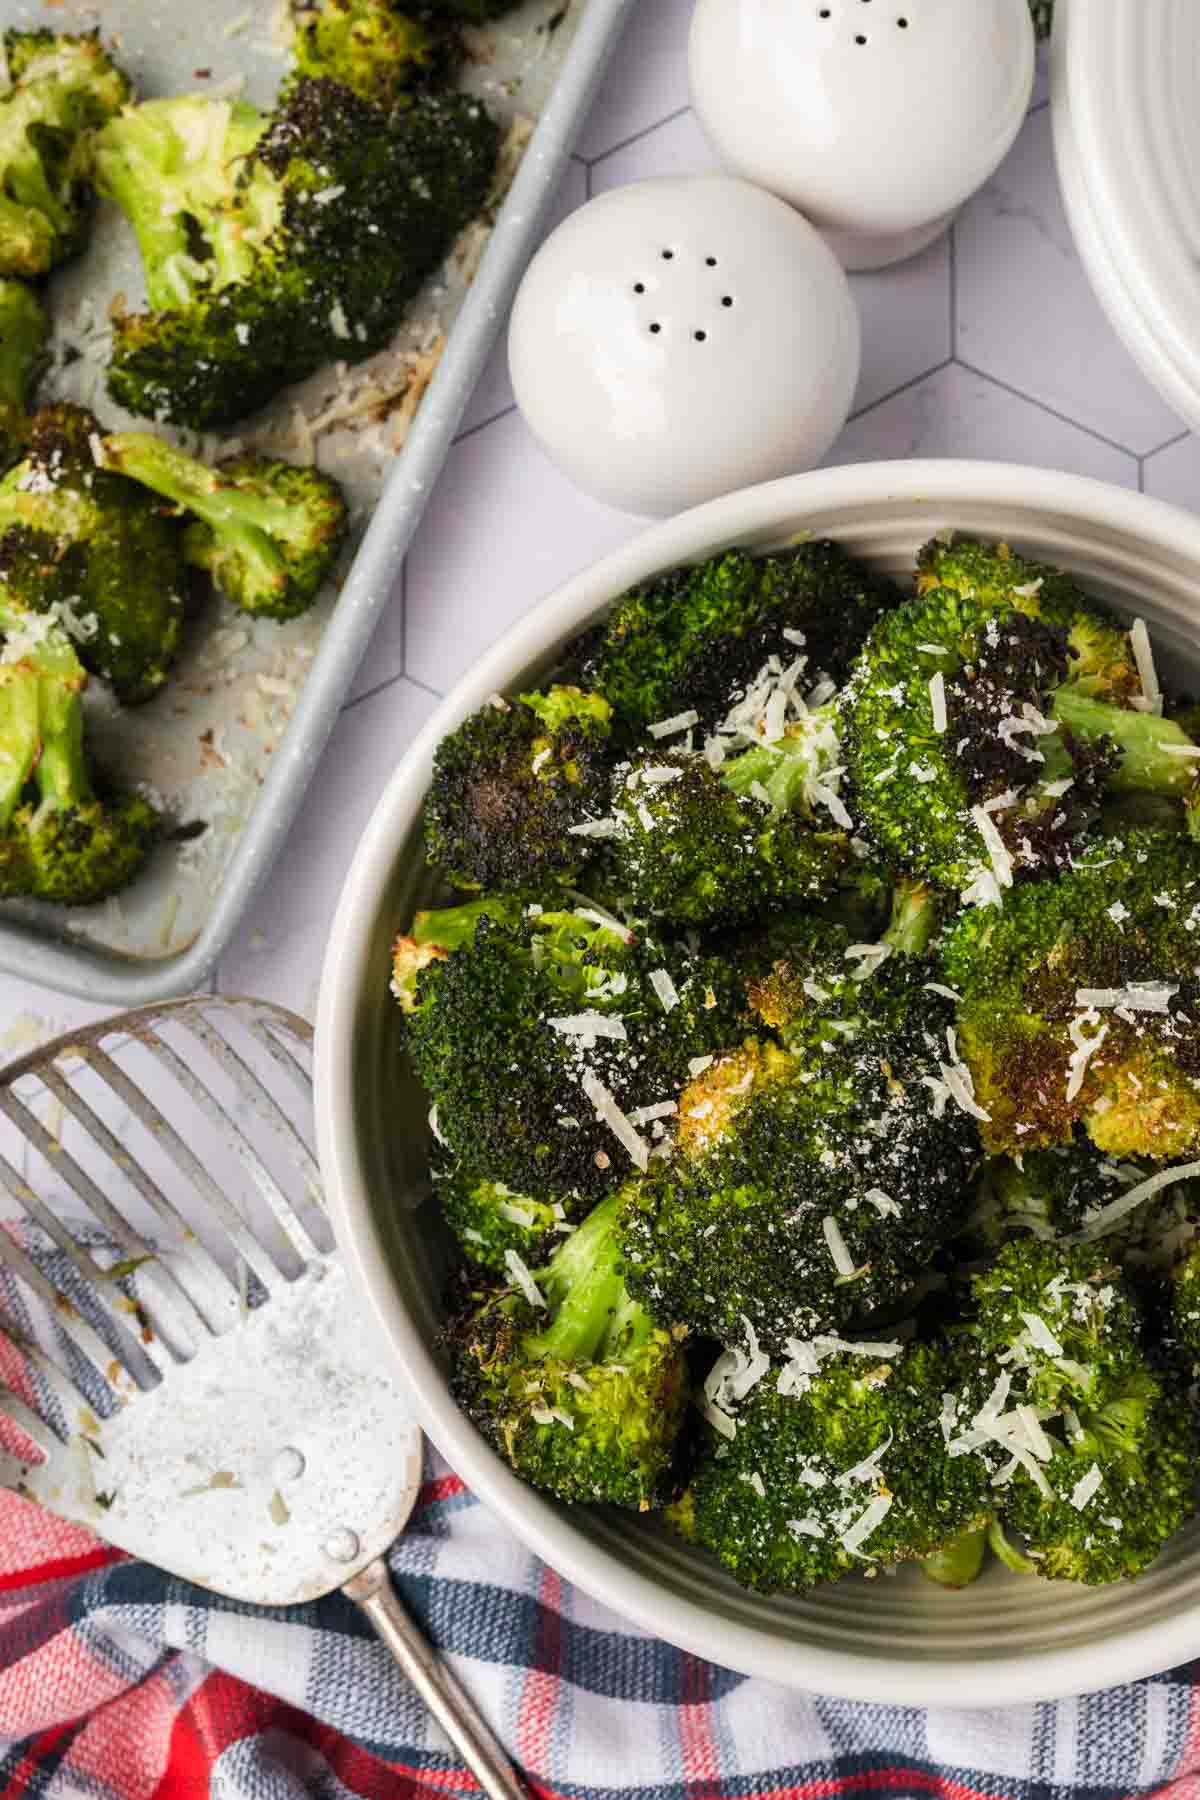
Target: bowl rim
[[1014, 1678]]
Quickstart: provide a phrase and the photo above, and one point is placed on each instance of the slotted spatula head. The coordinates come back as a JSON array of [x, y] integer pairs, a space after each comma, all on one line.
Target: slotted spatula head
[[184, 1367]]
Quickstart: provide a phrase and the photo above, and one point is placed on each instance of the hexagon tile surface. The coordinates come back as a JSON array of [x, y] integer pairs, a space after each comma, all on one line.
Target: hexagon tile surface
[[989, 345]]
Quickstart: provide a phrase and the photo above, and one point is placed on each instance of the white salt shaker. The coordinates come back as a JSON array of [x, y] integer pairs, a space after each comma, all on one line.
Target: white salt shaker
[[876, 118], [679, 338]]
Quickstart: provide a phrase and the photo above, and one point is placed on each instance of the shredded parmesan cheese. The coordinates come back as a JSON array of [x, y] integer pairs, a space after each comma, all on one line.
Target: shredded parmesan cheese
[[620, 1126], [1109, 1215], [665, 989], [524, 1280], [674, 727], [1086, 1488], [843, 1262], [867, 1523], [1143, 656], [937, 699]]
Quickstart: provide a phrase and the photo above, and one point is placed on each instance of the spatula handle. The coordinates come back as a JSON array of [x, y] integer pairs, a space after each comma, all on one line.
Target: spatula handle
[[450, 1705]]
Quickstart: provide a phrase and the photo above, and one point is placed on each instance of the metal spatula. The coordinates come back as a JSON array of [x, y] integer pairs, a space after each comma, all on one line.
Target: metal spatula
[[184, 1367]]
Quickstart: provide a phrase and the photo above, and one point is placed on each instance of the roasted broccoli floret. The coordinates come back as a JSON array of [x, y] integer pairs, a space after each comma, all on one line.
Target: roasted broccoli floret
[[696, 845], [23, 332], [838, 1464], [489, 1219], [267, 532], [516, 788], [1088, 1451], [987, 718], [370, 46], [1059, 1318], [554, 1044], [1101, 1450], [1080, 1004], [61, 838], [63, 89], [94, 547], [695, 639], [273, 246], [570, 1380], [811, 1186]]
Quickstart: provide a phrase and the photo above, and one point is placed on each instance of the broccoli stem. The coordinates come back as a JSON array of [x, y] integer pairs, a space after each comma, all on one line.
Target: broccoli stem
[[453, 927], [914, 918], [958, 1563], [585, 1288], [253, 523], [783, 769], [1003, 1548], [1149, 746], [19, 742]]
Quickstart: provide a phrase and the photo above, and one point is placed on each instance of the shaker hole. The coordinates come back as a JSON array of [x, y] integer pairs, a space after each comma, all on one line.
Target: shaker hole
[[859, 38], [656, 329], [668, 255], [639, 287], [711, 261], [726, 299], [701, 337]]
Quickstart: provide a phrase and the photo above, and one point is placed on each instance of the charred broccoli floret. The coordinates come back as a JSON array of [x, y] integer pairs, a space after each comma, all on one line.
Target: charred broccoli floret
[[61, 839], [1100, 1450], [696, 638], [489, 1219], [23, 332], [570, 1380], [267, 532], [94, 547], [516, 787], [63, 89], [552, 1043], [987, 718], [812, 1186], [287, 242], [837, 1464], [1079, 1003], [370, 46], [696, 845]]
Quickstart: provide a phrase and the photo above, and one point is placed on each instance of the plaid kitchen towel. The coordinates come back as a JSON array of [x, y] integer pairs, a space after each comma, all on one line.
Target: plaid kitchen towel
[[118, 1683]]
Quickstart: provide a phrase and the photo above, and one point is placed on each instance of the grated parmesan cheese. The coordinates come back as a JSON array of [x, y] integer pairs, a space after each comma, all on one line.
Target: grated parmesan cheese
[[524, 1280], [1116, 1209], [937, 699], [620, 1126], [683, 721], [1086, 1488], [867, 1523], [1143, 656], [843, 1262], [665, 989], [998, 854], [590, 1025]]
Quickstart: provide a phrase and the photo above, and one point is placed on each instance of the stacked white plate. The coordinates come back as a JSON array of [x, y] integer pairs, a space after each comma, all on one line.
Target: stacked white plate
[[1126, 99]]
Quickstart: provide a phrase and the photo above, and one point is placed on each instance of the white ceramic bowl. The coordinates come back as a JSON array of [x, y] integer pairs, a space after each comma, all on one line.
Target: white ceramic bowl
[[1005, 1639], [1126, 103]]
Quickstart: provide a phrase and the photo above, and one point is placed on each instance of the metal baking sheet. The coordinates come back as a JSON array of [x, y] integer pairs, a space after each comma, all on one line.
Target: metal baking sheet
[[229, 746]]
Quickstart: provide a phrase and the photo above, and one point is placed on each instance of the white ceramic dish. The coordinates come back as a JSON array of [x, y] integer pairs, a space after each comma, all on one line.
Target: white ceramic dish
[[1126, 103], [1006, 1639]]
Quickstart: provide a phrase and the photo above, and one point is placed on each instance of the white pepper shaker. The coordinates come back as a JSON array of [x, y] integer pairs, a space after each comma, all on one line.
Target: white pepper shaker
[[875, 118]]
